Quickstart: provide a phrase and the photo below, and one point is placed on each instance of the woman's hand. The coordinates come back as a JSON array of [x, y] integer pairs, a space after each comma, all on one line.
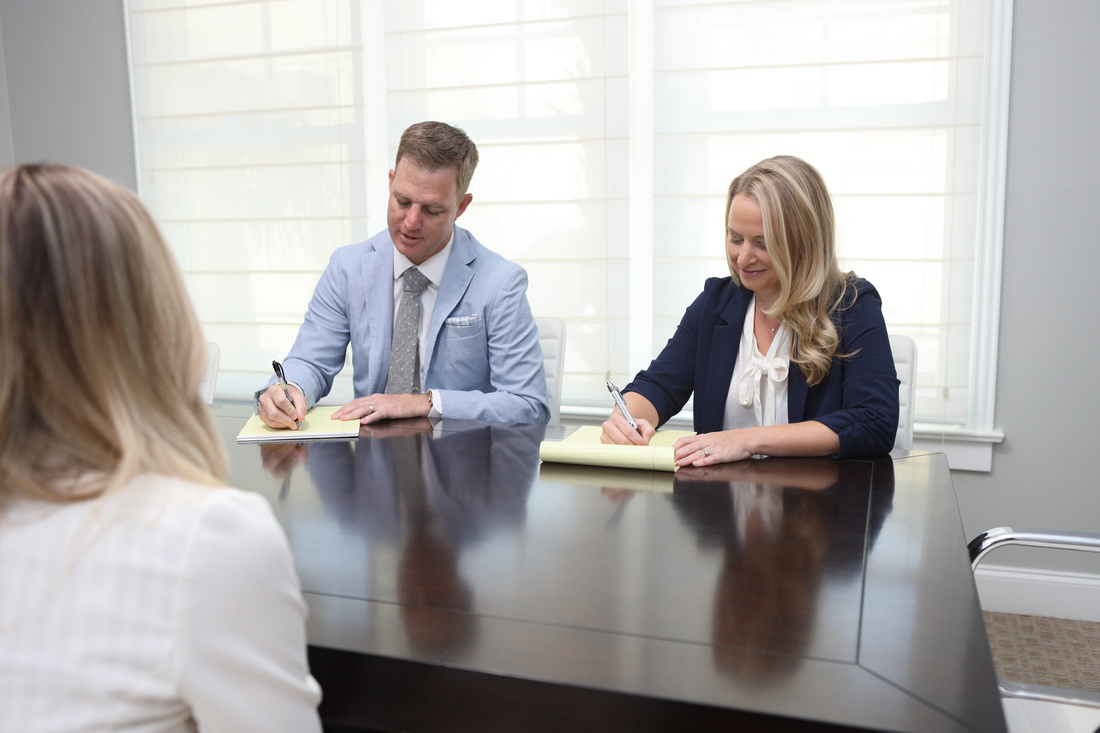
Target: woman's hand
[[809, 438], [618, 431], [710, 448]]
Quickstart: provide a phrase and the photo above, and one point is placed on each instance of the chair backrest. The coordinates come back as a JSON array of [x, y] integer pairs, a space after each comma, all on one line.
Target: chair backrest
[[552, 341], [905, 362], [210, 374]]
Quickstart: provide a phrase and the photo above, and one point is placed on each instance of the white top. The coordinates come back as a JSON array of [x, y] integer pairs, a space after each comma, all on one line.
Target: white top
[[163, 606], [758, 513], [758, 390]]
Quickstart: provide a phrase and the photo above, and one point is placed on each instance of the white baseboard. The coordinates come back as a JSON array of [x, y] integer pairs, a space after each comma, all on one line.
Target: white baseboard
[[1039, 593]]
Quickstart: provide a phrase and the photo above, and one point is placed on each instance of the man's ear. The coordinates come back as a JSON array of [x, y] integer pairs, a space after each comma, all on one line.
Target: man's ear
[[464, 203]]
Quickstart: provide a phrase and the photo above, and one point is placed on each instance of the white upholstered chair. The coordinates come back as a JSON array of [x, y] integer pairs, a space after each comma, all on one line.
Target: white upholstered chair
[[552, 341], [904, 349], [210, 374]]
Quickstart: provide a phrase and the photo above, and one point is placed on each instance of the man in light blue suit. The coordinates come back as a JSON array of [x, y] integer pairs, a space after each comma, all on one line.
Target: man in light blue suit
[[475, 354]]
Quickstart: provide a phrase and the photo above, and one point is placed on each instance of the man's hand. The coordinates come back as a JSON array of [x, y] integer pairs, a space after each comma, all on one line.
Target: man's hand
[[377, 407], [280, 459], [278, 412]]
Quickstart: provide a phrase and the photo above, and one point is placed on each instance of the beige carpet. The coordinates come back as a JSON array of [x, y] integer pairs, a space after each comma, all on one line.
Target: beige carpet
[[1045, 651]]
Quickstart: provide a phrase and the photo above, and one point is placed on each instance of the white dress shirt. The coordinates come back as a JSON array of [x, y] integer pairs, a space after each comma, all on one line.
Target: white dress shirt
[[162, 606]]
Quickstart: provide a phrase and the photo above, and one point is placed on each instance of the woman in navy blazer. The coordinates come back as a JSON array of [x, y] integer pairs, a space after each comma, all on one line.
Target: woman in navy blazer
[[807, 371]]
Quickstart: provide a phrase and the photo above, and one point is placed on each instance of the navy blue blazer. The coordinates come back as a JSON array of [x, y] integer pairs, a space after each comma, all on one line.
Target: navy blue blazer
[[858, 399]]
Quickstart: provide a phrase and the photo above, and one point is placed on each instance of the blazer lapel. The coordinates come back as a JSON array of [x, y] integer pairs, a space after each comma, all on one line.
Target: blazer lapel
[[726, 342], [378, 279], [797, 391], [456, 279]]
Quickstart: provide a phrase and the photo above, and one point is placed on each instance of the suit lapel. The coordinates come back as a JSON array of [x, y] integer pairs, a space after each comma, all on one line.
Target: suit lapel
[[456, 279], [726, 342], [797, 391], [378, 278]]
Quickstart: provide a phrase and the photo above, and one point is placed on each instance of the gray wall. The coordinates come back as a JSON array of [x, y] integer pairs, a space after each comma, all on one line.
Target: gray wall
[[68, 86], [7, 153], [1045, 472], [68, 100]]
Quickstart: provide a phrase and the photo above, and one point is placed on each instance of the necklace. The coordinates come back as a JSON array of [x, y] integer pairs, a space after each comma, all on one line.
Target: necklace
[[761, 316]]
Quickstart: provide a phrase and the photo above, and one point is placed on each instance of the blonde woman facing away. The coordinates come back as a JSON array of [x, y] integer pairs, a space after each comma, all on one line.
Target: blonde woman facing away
[[137, 592], [788, 356]]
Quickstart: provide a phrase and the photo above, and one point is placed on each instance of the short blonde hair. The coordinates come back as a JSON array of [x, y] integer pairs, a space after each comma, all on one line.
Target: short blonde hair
[[800, 232], [437, 145], [101, 354]]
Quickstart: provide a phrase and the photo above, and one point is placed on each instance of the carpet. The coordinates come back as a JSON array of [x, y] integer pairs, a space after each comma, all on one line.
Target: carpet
[[1038, 650]]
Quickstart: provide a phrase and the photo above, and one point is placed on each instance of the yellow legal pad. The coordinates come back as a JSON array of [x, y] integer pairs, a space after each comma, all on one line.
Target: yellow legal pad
[[583, 446], [318, 425]]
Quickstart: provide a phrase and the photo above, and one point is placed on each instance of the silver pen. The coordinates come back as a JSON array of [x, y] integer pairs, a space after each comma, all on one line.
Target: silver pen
[[618, 396], [282, 383]]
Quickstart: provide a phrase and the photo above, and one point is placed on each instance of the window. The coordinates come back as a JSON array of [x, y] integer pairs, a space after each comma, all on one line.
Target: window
[[609, 131]]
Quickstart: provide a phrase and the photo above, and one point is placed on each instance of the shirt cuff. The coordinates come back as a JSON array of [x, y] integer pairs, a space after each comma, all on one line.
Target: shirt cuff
[[437, 404]]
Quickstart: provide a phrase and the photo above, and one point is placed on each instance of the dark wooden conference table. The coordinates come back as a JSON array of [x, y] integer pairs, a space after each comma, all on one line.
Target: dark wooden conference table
[[455, 584]]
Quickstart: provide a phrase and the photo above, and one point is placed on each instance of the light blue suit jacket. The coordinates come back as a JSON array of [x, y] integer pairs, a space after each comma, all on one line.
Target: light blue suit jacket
[[483, 349]]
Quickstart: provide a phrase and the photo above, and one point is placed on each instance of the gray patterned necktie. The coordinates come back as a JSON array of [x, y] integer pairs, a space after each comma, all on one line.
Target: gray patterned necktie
[[404, 375]]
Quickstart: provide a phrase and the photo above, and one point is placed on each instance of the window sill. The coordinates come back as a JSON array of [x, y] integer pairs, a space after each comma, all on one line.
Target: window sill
[[966, 450]]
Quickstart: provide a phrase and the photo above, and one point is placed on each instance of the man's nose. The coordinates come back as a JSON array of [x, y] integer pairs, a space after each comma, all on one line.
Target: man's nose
[[412, 219]]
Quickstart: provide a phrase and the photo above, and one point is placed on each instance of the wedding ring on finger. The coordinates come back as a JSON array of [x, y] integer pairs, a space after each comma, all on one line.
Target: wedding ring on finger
[[706, 453], [371, 408]]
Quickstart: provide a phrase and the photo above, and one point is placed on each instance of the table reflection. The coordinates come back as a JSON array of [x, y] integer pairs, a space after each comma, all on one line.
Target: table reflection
[[425, 493], [768, 552], [486, 590], [783, 526]]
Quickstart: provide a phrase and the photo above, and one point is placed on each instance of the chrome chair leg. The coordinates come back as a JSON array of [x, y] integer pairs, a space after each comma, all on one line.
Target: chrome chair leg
[[984, 543], [1054, 539]]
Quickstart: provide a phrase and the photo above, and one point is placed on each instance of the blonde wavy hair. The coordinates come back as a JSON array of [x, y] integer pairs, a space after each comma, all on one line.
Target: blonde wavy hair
[[101, 354], [799, 230]]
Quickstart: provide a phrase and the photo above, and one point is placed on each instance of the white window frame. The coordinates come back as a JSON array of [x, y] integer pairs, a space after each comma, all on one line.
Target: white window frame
[[971, 448], [968, 448]]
